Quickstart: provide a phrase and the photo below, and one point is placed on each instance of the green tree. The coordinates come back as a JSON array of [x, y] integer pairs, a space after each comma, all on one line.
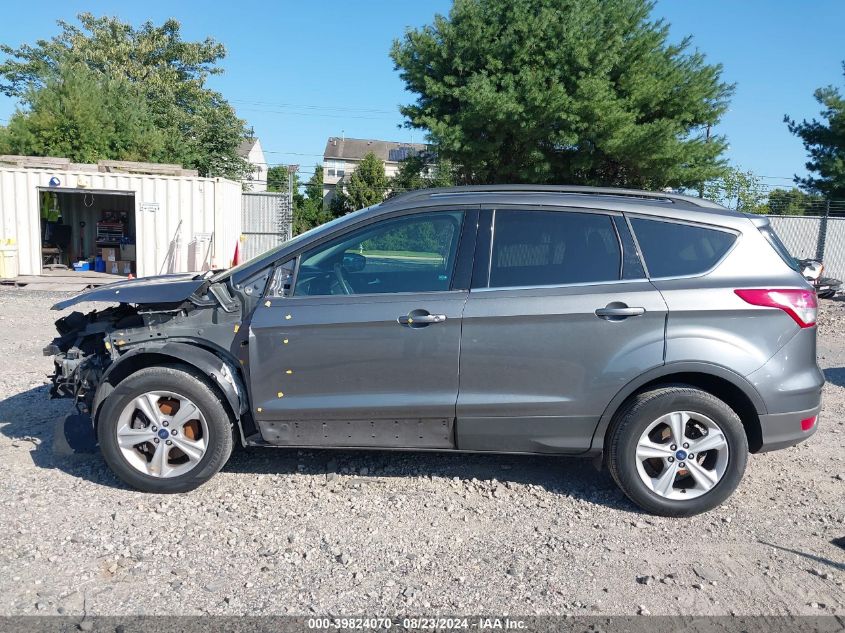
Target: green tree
[[305, 214], [277, 178], [199, 127], [85, 117], [825, 143], [339, 204], [312, 212], [308, 209], [794, 202], [573, 91], [421, 171], [737, 189], [314, 186], [367, 186]]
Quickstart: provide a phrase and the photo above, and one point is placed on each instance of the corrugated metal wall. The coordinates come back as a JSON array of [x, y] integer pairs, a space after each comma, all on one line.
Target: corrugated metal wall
[[202, 205], [266, 222]]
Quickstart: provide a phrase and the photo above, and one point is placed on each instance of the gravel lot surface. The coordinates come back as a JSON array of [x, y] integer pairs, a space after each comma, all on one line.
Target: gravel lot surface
[[281, 531]]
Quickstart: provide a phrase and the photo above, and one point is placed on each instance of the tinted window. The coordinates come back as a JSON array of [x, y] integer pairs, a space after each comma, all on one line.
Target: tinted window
[[413, 253], [539, 248], [672, 249]]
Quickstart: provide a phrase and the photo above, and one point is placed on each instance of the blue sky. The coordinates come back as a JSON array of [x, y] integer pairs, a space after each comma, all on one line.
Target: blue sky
[[300, 72]]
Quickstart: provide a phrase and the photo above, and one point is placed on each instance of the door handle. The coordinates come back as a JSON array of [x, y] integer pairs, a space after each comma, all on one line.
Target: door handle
[[420, 318], [618, 312]]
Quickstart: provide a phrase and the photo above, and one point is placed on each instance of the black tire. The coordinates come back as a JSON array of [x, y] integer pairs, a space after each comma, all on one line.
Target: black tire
[[192, 386], [635, 416]]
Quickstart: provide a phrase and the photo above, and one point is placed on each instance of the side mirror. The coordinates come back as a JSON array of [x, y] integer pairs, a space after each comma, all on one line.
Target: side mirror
[[353, 262]]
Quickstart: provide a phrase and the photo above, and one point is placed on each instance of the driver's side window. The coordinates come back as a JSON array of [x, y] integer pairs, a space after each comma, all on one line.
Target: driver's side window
[[411, 253]]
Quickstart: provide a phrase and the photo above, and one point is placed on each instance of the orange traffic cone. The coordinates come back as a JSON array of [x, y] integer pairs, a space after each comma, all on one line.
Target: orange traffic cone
[[237, 257], [131, 276]]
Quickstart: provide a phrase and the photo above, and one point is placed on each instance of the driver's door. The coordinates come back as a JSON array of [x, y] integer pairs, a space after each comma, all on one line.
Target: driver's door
[[365, 351]]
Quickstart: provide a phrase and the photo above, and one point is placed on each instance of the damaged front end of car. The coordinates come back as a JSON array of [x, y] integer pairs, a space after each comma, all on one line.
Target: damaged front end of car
[[171, 319], [83, 351]]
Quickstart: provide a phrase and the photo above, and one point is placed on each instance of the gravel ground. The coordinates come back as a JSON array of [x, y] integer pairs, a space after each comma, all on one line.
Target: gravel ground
[[281, 531]]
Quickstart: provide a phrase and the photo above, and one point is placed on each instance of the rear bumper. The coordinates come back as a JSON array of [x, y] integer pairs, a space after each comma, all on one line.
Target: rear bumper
[[781, 430], [791, 386]]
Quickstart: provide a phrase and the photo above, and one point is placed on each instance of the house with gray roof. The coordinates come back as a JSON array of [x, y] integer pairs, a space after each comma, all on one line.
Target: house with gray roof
[[251, 150], [342, 156]]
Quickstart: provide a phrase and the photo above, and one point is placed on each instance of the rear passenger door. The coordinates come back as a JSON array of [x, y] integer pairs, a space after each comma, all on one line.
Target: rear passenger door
[[559, 318]]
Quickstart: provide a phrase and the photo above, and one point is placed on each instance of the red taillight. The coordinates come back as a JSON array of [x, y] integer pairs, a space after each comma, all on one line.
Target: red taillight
[[801, 305], [807, 424]]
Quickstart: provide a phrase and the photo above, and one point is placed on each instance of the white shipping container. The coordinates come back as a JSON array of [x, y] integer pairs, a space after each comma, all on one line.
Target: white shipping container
[[165, 208]]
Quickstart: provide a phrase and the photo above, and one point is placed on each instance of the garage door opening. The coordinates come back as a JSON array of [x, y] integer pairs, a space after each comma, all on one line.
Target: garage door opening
[[88, 230]]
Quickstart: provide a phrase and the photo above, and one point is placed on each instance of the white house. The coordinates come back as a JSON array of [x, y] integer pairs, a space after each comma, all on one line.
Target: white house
[[251, 150]]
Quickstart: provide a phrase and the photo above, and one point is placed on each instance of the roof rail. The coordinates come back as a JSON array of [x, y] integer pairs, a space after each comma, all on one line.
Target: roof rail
[[574, 189]]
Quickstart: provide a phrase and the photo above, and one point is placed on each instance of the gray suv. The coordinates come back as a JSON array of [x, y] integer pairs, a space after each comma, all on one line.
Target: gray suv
[[662, 334]]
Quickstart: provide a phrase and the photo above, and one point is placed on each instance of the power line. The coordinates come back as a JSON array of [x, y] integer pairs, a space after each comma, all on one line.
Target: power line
[[273, 151], [307, 106], [314, 114]]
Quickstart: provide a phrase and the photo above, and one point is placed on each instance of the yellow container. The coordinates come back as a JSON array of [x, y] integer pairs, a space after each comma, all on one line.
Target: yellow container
[[8, 260]]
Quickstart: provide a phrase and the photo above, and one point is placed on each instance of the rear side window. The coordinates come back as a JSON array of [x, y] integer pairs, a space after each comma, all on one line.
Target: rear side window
[[545, 248], [671, 249]]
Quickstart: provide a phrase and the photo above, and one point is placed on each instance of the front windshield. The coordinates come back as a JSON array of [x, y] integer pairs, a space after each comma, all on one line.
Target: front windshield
[[225, 274]]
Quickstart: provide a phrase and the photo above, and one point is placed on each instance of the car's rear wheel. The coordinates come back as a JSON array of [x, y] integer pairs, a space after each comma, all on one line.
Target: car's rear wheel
[[677, 451], [164, 430]]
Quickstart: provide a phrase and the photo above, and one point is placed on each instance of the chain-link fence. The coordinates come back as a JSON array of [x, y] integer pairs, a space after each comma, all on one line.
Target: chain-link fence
[[266, 222], [798, 203], [810, 226], [818, 237]]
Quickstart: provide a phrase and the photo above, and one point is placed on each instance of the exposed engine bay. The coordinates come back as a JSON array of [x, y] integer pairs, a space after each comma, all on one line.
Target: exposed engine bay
[[207, 319], [80, 353]]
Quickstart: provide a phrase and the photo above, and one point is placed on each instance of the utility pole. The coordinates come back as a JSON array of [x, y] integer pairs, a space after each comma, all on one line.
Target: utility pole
[[706, 140], [822, 239], [292, 169]]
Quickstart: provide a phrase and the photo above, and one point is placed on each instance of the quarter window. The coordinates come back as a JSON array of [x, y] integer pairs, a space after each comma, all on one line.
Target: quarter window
[[412, 253], [542, 248], [671, 249], [281, 280]]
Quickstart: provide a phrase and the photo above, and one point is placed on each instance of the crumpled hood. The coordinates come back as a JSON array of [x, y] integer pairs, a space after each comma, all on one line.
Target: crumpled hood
[[159, 289]]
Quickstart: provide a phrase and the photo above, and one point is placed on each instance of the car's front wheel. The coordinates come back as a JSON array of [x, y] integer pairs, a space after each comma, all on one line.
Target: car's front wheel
[[164, 430], [677, 451]]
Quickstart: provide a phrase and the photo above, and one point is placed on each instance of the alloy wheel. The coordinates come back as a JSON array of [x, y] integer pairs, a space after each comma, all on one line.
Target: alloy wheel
[[162, 434], [682, 455]]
